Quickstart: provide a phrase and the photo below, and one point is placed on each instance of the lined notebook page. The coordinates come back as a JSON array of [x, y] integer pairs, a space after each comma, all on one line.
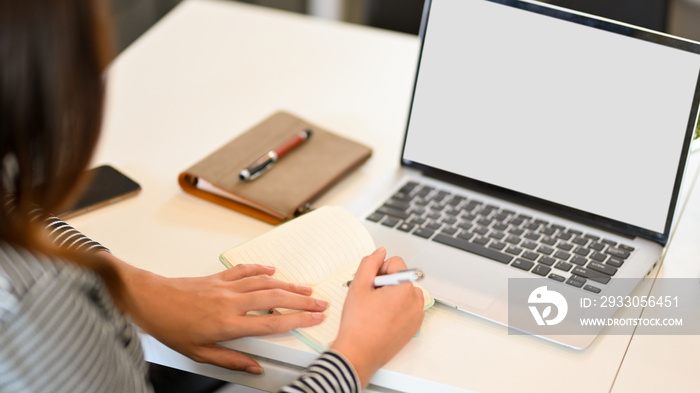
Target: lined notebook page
[[308, 249], [321, 249], [334, 290]]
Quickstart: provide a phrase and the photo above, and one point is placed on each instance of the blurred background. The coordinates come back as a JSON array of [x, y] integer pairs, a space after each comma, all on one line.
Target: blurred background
[[677, 17]]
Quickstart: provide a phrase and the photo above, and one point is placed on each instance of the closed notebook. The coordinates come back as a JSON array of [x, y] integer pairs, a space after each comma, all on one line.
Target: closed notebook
[[321, 249], [295, 181]]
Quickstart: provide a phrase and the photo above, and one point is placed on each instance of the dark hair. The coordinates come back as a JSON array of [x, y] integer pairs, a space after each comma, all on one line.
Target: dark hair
[[53, 54]]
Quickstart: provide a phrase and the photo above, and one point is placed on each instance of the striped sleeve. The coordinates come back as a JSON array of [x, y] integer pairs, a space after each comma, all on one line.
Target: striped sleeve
[[70, 238], [330, 373], [65, 236]]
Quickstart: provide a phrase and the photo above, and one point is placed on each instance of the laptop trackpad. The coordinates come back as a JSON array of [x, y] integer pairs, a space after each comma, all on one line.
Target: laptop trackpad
[[460, 279]]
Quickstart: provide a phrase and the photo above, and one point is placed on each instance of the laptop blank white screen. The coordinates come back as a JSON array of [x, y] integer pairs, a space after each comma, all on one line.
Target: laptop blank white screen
[[570, 114]]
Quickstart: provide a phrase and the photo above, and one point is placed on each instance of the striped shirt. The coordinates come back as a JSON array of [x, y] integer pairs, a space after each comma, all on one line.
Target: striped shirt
[[60, 331], [328, 374]]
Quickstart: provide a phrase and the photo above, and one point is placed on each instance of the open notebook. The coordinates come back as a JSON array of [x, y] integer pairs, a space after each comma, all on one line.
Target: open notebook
[[321, 249]]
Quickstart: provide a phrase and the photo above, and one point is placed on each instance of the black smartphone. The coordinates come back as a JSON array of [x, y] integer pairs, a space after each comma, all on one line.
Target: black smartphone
[[106, 185]]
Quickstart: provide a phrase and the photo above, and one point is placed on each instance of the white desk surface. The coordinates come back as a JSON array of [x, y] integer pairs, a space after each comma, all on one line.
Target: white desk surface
[[210, 70], [656, 363]]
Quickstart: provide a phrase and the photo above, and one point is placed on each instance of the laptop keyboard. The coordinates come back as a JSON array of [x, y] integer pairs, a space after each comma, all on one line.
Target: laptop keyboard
[[538, 246]]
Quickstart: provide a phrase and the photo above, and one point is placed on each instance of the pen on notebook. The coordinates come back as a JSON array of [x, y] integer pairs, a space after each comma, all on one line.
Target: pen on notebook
[[411, 275], [267, 160]]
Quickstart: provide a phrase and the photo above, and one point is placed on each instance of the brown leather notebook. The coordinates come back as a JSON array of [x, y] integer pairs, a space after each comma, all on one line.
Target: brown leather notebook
[[287, 189]]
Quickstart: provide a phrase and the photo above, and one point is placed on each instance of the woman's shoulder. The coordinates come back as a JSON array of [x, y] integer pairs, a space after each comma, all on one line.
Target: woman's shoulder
[[20, 271], [25, 274], [53, 312]]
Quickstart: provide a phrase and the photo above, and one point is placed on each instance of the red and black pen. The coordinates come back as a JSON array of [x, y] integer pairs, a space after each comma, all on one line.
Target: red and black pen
[[267, 160]]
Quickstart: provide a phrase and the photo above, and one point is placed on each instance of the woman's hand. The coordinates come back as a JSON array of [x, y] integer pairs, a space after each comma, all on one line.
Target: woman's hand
[[191, 315], [377, 322]]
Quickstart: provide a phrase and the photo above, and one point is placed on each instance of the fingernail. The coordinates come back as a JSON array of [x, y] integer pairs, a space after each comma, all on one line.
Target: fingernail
[[254, 370], [322, 303], [305, 288], [318, 315], [270, 267], [380, 249]]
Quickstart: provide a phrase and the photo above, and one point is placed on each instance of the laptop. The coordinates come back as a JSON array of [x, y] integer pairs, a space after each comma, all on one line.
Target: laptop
[[540, 142]]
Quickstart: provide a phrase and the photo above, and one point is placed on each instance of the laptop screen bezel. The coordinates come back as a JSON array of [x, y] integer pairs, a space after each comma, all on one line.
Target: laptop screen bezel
[[567, 212]]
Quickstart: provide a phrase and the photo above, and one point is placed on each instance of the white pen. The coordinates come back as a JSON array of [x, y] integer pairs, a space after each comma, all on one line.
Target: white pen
[[411, 275]]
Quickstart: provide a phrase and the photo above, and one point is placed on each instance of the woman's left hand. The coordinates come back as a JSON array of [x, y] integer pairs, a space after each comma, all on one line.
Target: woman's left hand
[[192, 315]]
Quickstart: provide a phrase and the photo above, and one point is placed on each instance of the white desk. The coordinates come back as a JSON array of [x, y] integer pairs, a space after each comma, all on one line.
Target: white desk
[[669, 363], [211, 69]]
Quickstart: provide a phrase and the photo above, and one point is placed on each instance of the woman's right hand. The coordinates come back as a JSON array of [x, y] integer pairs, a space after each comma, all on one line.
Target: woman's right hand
[[377, 322]]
